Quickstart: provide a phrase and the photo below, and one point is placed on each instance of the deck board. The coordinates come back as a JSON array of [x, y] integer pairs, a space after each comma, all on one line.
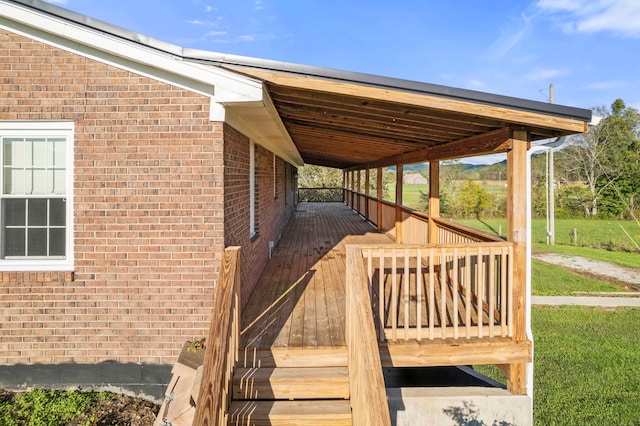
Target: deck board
[[299, 301]]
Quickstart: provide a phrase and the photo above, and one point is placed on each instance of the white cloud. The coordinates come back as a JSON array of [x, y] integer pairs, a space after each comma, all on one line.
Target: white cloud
[[545, 73], [258, 5], [510, 36], [603, 85], [621, 17], [475, 84], [216, 33]]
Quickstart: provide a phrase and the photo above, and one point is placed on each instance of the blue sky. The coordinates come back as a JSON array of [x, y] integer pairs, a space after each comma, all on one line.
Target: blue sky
[[589, 49]]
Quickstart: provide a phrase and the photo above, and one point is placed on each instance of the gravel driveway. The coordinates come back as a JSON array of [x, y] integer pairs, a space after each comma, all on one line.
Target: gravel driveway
[[597, 268]]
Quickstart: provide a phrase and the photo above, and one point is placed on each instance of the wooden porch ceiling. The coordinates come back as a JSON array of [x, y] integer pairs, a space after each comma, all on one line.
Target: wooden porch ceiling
[[349, 124]]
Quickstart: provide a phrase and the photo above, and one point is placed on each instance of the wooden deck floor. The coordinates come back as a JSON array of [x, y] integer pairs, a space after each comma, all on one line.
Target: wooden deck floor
[[299, 301]]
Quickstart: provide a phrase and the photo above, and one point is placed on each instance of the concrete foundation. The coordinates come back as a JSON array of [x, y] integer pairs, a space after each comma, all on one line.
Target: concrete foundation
[[143, 380], [452, 396]]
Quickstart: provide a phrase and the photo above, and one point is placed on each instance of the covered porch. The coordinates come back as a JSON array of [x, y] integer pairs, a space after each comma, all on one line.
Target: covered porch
[[369, 283]]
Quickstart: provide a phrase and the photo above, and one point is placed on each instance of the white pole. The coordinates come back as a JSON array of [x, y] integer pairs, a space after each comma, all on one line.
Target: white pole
[[552, 207], [546, 192]]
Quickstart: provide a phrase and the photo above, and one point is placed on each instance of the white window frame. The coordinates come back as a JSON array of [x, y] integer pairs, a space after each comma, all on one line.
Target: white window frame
[[44, 129]]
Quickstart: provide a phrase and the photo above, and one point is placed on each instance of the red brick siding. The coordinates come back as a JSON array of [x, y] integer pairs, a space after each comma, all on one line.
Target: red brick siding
[[148, 213], [272, 213]]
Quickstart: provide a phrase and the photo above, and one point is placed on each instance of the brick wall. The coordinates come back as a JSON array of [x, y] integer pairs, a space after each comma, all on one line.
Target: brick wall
[[274, 207], [148, 213]]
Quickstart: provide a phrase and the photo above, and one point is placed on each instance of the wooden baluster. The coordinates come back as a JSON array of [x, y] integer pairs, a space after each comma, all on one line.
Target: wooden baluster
[[480, 282], [394, 294], [454, 292], [419, 294], [443, 294], [469, 295], [503, 292], [492, 290], [432, 295], [381, 302], [510, 293], [406, 294]]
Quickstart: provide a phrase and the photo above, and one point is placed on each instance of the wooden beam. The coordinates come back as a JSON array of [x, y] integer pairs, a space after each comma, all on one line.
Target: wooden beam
[[487, 143], [473, 109], [517, 234], [454, 352]]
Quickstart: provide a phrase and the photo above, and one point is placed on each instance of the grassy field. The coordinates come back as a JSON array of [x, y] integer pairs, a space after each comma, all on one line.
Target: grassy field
[[601, 234], [587, 366]]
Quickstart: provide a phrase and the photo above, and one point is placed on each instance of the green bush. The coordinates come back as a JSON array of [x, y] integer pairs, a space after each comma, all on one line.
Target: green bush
[[42, 407]]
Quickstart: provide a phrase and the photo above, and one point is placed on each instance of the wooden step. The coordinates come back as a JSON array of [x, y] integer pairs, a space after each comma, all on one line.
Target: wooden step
[[293, 357], [323, 412], [291, 383]]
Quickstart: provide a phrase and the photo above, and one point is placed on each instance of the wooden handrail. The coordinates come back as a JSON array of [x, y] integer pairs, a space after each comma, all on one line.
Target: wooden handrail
[[221, 345], [368, 395]]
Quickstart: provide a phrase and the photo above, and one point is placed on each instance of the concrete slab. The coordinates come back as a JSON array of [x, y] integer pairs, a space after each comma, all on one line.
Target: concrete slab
[[458, 406], [605, 302]]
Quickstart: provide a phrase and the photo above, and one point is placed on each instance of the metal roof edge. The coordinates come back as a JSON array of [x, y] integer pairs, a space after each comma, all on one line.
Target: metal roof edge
[[467, 95], [101, 26]]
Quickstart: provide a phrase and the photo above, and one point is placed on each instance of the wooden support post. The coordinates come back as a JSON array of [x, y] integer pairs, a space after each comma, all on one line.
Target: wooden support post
[[517, 234], [399, 238], [359, 191], [379, 198], [434, 200], [344, 187], [366, 193]]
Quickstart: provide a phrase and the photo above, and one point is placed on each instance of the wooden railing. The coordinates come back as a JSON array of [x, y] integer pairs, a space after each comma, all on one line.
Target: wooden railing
[[457, 291], [368, 395], [415, 224], [453, 233], [221, 345]]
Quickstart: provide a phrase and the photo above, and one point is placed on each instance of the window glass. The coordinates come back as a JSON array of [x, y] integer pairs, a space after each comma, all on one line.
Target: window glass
[[34, 220]]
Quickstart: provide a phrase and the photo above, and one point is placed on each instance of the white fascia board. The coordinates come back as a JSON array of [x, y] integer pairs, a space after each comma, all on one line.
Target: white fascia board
[[137, 58]]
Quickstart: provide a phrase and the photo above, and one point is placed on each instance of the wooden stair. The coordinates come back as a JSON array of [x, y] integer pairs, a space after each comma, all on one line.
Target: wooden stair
[[286, 390]]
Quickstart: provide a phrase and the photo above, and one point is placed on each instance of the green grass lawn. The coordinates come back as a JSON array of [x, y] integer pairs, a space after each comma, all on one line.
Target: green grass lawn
[[587, 366], [551, 280]]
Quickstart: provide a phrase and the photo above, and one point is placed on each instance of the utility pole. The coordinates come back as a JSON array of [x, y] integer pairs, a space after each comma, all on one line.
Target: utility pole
[[551, 181]]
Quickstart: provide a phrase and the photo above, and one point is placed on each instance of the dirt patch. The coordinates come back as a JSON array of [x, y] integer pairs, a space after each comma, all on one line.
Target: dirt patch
[[117, 410]]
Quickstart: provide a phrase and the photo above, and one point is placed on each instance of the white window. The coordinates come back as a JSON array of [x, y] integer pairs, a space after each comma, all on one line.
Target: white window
[[36, 201]]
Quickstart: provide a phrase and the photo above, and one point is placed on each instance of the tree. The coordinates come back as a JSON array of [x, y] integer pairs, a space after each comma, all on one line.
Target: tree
[[472, 199], [310, 176], [607, 159], [620, 192]]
